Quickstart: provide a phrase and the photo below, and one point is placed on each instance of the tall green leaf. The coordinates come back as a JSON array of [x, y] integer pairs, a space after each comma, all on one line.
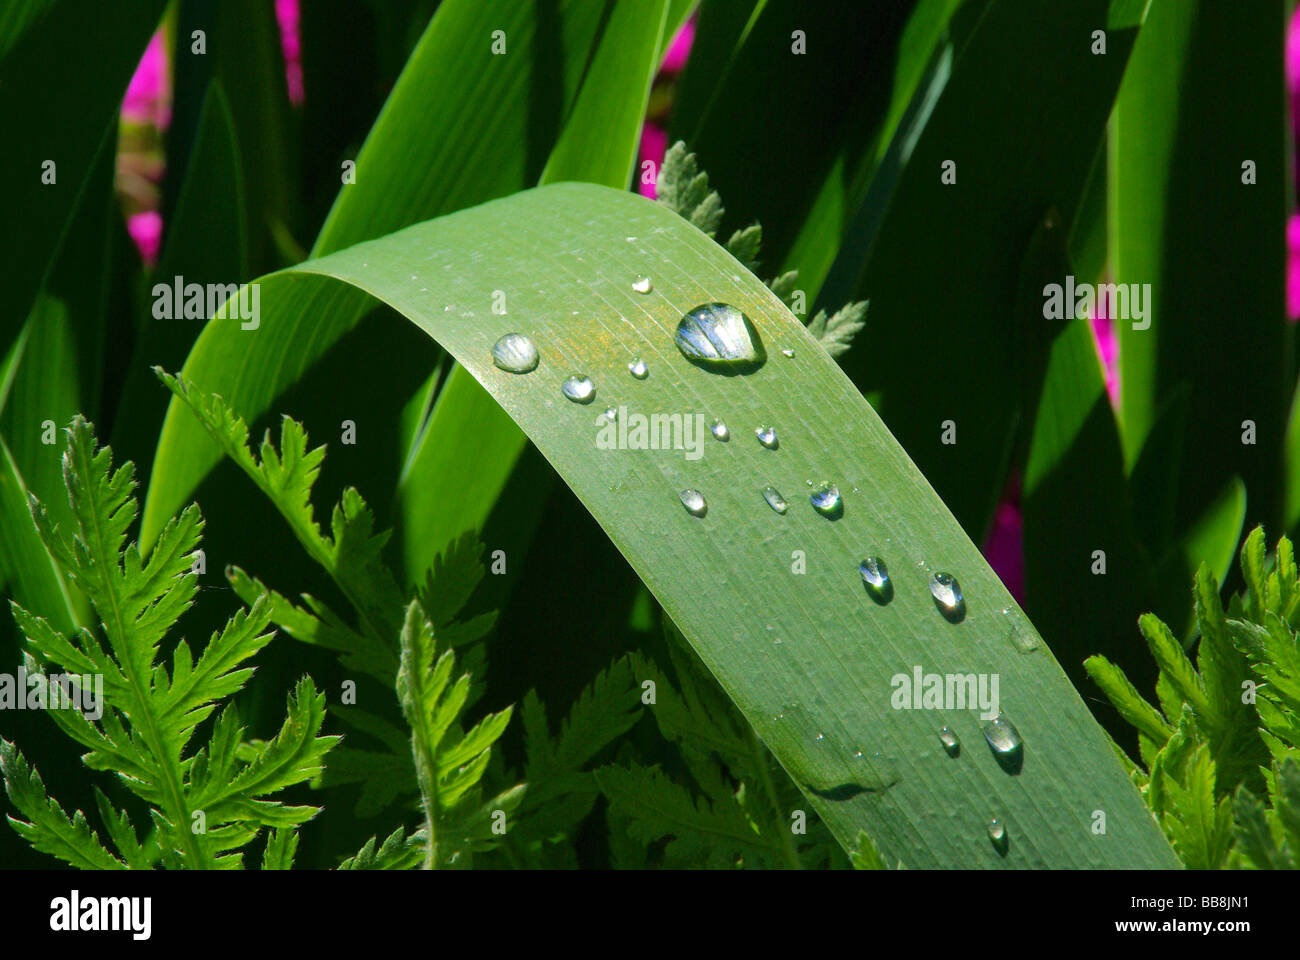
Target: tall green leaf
[[820, 698]]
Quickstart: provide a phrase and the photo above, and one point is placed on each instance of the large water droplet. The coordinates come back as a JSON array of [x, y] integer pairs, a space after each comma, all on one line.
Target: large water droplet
[[638, 369], [515, 353], [875, 577], [774, 499], [579, 388], [642, 284], [719, 337], [720, 431], [1004, 740], [767, 437], [694, 503], [947, 597], [825, 499], [950, 741]]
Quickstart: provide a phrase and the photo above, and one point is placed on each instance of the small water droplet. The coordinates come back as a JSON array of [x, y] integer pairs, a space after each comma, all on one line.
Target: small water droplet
[[579, 388], [1004, 740], [720, 431], [719, 337], [787, 353], [820, 737], [642, 284], [694, 503], [950, 742], [998, 834], [638, 369], [774, 499], [947, 597], [611, 414], [825, 499], [767, 437], [875, 577], [515, 353]]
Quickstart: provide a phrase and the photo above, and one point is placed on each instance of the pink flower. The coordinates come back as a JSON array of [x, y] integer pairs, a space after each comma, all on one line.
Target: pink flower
[[1004, 548], [1104, 336], [654, 135], [148, 99], [286, 12], [654, 142], [680, 49], [146, 230]]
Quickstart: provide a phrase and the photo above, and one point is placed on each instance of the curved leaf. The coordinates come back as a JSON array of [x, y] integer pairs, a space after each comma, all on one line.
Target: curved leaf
[[821, 696]]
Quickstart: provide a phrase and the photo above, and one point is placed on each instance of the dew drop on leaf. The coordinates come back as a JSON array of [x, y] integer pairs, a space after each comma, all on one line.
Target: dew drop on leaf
[[720, 431], [875, 577], [947, 597], [717, 336], [515, 353], [825, 499], [694, 503], [579, 388], [638, 369], [642, 284], [767, 437], [774, 499], [950, 741], [1003, 737]]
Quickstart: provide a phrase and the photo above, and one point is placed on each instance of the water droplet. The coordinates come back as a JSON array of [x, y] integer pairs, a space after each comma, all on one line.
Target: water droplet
[[1019, 632], [611, 414], [720, 431], [717, 336], [774, 499], [875, 577], [947, 597], [694, 503], [515, 353], [767, 437], [1004, 740], [788, 353], [825, 499], [638, 369], [950, 742], [998, 834], [579, 388], [642, 284], [820, 737]]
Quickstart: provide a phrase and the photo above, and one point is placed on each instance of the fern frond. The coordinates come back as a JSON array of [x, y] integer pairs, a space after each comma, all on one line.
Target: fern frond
[[48, 828], [445, 769], [350, 554], [206, 804]]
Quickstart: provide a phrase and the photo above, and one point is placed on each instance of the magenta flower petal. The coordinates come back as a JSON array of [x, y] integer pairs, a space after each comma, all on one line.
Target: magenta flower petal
[[654, 142], [146, 100], [680, 49], [286, 12], [146, 230], [1005, 549], [1293, 267]]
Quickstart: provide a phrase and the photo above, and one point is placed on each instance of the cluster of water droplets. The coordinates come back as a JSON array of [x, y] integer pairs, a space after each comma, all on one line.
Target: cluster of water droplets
[[718, 337]]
